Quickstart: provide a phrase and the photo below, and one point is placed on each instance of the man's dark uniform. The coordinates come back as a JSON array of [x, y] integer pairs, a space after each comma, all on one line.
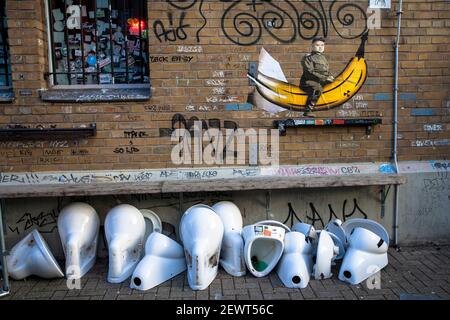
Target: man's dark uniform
[[315, 74]]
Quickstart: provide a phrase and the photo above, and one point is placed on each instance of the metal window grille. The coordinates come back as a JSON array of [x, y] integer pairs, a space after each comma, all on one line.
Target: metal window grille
[[99, 42], [5, 67]]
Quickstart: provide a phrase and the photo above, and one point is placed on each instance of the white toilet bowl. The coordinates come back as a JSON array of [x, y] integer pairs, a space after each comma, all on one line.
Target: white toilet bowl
[[295, 266], [32, 256], [201, 231], [78, 227], [125, 231], [164, 259], [365, 256], [264, 244], [232, 252]]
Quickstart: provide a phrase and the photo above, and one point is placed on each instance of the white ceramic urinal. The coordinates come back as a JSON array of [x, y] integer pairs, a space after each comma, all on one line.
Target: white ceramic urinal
[[306, 229], [201, 231], [335, 227], [125, 231], [263, 248], [232, 252], [295, 266], [164, 259], [365, 256], [78, 227], [349, 225], [326, 253], [152, 222], [32, 256]]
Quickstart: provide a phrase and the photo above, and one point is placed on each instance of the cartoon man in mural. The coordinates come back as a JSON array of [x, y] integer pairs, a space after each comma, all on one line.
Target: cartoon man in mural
[[318, 90], [316, 74]]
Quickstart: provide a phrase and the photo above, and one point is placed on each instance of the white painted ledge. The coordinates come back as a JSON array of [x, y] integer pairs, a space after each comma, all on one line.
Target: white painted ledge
[[90, 183]]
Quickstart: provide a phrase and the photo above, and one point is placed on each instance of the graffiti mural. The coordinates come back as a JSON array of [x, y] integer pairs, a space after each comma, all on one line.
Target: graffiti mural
[[275, 94], [244, 22]]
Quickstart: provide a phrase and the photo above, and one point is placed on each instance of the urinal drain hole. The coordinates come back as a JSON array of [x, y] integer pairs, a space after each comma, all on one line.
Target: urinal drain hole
[[347, 274], [137, 281], [296, 279]]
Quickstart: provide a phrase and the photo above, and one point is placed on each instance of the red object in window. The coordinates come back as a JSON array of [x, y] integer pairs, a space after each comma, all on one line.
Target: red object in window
[[134, 26], [338, 121]]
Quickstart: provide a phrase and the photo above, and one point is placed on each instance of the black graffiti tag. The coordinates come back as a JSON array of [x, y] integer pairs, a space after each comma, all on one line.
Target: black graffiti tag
[[46, 222], [316, 217], [171, 33]]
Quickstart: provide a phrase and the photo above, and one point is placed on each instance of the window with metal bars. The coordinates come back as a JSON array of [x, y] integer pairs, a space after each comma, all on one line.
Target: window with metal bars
[[99, 42], [5, 67]]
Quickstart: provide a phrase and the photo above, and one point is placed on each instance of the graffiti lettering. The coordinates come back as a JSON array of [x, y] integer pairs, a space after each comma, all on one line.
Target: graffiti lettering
[[190, 49], [126, 150], [245, 172], [135, 134], [315, 217], [167, 59], [45, 221], [441, 165], [80, 152], [171, 33], [243, 26]]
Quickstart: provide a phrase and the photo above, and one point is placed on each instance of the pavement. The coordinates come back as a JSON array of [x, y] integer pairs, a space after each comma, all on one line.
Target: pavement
[[420, 272]]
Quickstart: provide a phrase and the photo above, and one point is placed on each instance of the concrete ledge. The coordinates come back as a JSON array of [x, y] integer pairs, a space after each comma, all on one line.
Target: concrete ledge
[[95, 94], [45, 184]]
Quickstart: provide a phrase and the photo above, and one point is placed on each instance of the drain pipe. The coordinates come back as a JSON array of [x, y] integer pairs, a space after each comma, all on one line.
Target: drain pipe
[[394, 153], [5, 288]]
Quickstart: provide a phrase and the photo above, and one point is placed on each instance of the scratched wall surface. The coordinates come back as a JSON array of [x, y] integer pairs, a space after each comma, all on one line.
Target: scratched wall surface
[[200, 53], [425, 216]]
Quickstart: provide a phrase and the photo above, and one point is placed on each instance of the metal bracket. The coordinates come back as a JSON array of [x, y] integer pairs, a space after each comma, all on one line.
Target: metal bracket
[[352, 122], [4, 253], [5, 286], [180, 205], [20, 133], [383, 195], [252, 71], [268, 203]]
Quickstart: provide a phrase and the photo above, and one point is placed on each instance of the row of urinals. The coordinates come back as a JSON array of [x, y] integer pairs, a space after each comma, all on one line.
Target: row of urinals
[[126, 229], [209, 236]]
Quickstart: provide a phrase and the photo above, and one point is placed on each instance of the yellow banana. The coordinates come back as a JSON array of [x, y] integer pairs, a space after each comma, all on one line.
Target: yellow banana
[[345, 86]]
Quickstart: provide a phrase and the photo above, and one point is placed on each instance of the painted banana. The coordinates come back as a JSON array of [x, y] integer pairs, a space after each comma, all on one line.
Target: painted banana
[[290, 96]]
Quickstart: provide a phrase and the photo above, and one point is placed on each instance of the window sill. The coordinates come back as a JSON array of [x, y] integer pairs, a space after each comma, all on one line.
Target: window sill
[[6, 95], [101, 94]]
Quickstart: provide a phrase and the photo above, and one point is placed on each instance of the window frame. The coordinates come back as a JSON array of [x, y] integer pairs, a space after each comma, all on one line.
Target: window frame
[[5, 48], [92, 87]]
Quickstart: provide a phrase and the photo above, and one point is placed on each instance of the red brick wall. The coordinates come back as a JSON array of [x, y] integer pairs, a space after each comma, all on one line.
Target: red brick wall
[[217, 72]]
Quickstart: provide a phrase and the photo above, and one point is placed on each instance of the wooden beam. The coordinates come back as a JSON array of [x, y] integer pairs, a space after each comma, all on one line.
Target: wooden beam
[[169, 186]]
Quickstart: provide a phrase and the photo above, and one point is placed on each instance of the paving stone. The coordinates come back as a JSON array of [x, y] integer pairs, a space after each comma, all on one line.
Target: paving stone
[[296, 296], [308, 293], [255, 294], [414, 270], [276, 296], [150, 296], [328, 294], [202, 295]]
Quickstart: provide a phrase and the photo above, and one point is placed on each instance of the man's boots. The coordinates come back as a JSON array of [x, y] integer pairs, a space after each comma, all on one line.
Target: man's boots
[[309, 109]]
